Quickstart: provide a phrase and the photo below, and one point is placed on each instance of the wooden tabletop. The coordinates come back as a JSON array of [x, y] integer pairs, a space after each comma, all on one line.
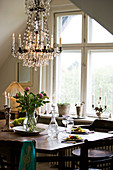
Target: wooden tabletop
[[44, 143]]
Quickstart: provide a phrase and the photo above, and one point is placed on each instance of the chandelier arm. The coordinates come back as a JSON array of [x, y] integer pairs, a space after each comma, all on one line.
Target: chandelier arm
[[38, 2]]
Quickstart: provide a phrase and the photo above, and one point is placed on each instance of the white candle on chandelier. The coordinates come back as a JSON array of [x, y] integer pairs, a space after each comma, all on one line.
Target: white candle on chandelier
[[60, 42], [92, 99], [13, 42], [8, 101], [99, 92], [51, 41], [5, 98], [19, 40], [45, 42]]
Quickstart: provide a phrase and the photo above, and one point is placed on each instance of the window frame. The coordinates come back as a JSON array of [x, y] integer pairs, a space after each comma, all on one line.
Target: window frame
[[84, 47]]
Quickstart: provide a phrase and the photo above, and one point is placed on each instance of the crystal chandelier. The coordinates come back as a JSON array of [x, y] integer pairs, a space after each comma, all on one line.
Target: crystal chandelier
[[36, 48]]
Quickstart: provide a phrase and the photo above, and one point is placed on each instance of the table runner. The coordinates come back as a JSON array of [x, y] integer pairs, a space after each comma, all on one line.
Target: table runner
[[27, 157]]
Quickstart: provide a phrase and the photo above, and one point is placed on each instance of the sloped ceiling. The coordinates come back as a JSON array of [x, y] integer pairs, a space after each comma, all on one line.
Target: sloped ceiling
[[12, 17], [100, 10]]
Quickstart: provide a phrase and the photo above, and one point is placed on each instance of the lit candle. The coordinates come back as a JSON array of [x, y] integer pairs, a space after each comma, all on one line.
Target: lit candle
[[13, 42], [8, 101], [99, 92], [105, 101], [41, 47], [19, 40], [60, 42], [5, 98], [92, 99], [51, 41], [45, 42]]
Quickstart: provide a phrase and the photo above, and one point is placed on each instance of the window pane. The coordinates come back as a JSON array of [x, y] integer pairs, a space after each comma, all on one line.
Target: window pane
[[69, 77], [97, 33], [100, 75], [69, 28]]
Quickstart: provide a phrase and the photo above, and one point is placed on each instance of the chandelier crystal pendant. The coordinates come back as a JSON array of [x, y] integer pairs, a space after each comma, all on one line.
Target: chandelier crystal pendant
[[36, 48]]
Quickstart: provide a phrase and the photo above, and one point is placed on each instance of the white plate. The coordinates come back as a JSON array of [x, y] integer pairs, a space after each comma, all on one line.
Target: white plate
[[21, 130]]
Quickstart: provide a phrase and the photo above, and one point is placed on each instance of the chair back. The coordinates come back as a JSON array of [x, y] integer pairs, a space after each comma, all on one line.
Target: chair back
[[102, 125], [10, 152], [106, 143]]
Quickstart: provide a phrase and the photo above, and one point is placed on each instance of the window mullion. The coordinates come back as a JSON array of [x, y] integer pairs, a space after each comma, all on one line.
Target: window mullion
[[83, 79]]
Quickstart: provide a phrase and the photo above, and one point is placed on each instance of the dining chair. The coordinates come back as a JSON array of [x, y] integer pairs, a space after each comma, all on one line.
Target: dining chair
[[100, 125], [16, 155], [10, 154], [94, 154]]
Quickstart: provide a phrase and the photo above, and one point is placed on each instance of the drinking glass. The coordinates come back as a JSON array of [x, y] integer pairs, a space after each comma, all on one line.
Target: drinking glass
[[64, 121], [70, 124]]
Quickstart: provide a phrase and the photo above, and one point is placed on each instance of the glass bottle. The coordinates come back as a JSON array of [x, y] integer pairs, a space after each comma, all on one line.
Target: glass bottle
[[53, 126]]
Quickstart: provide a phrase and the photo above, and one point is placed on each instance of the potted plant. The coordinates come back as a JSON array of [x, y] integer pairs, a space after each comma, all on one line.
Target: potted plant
[[63, 108], [79, 109]]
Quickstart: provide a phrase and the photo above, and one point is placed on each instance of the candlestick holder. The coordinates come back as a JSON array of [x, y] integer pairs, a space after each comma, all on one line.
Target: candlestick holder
[[7, 111], [99, 109], [45, 109], [92, 111]]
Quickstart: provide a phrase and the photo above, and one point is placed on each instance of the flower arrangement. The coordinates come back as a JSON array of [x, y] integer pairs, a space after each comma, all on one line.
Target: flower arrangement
[[100, 109], [29, 101]]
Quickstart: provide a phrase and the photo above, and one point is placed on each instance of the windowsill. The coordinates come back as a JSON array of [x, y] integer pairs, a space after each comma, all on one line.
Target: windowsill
[[87, 120]]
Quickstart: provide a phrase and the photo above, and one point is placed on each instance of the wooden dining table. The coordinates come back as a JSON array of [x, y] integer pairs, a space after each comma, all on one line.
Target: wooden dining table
[[43, 144]]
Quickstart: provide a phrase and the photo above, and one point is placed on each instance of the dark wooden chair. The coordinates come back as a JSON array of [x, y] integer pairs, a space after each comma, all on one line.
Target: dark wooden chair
[[95, 155], [10, 154], [100, 125]]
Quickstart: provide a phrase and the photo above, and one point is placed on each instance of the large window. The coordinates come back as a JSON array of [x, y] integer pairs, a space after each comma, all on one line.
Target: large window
[[86, 63], [69, 77], [100, 75]]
